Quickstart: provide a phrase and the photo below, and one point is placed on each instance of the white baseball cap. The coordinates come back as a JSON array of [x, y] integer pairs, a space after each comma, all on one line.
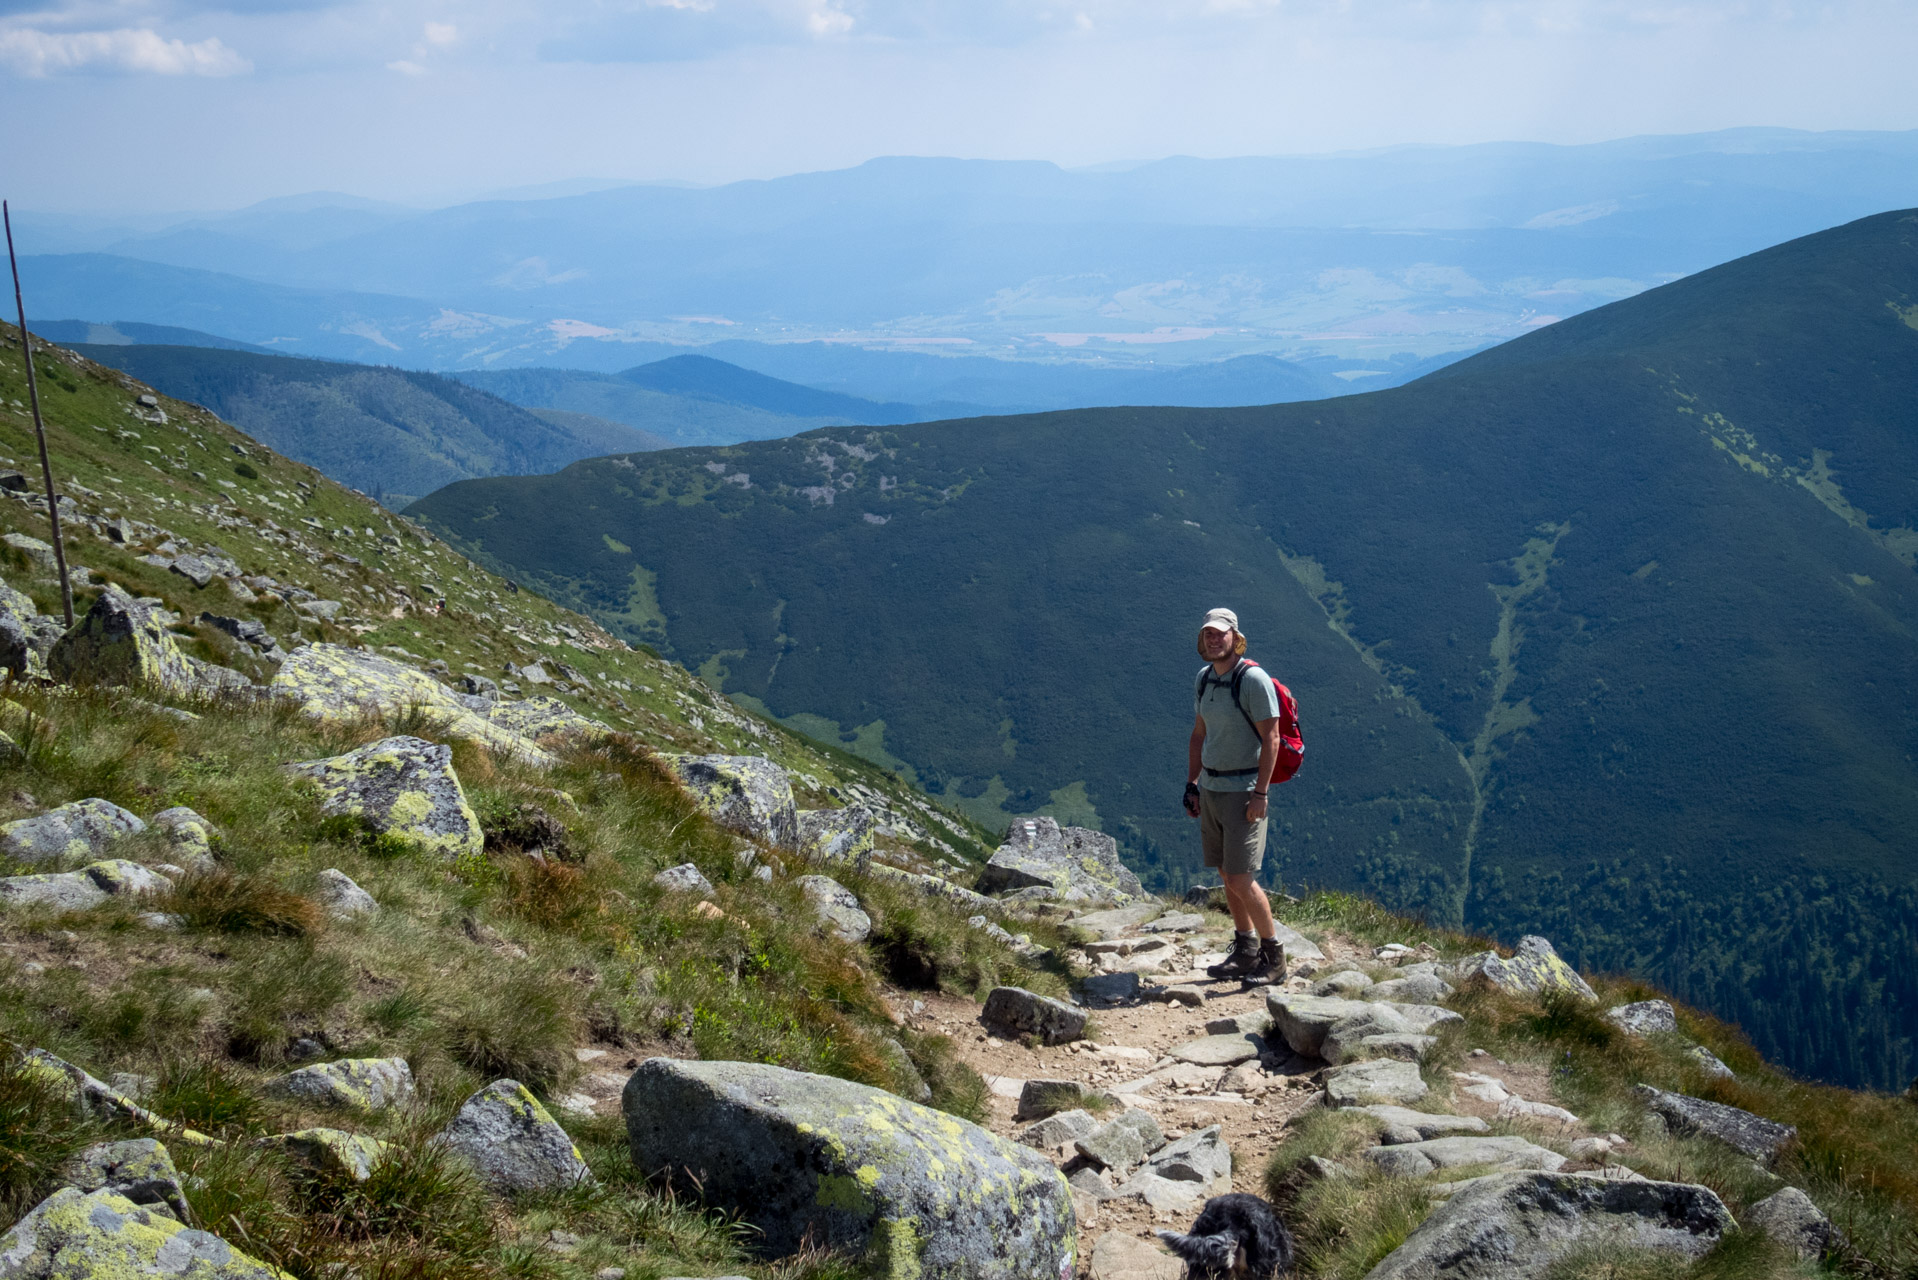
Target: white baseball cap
[[1220, 620]]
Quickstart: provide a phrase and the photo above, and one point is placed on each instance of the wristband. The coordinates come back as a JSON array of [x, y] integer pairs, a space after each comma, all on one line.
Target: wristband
[[1257, 792]]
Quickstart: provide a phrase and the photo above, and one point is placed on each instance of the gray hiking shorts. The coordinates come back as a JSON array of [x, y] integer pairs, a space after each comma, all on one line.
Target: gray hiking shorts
[[1231, 844]]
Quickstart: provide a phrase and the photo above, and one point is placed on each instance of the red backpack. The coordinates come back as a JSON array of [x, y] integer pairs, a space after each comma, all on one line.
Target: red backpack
[[1291, 744]]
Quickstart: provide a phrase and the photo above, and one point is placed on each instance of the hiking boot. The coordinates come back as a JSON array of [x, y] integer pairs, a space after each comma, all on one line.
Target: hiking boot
[[1268, 965], [1245, 954]]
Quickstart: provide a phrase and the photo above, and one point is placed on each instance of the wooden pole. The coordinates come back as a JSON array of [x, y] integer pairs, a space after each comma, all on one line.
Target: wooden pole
[[39, 427]]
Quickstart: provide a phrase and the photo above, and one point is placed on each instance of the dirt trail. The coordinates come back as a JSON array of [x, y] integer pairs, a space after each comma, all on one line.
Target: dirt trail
[[1131, 1044]]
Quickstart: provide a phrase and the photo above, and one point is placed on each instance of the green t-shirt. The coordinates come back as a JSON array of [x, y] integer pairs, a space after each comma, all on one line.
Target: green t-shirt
[[1230, 742]]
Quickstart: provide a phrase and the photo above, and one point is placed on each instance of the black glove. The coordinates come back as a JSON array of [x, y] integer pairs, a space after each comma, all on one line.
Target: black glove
[[1192, 799]]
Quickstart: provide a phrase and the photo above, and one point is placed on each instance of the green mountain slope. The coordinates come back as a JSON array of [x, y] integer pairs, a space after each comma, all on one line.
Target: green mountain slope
[[388, 432], [1607, 633]]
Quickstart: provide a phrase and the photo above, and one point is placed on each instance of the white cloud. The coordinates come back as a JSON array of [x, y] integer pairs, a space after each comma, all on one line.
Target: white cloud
[[406, 68], [829, 22], [131, 50], [441, 33]]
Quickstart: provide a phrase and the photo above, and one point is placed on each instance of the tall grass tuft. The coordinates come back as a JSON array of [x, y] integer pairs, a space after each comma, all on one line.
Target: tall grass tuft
[[39, 1130], [225, 902]]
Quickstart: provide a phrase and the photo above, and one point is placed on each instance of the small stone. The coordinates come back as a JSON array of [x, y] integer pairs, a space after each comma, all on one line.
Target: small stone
[[1400, 1135], [1220, 1051], [1091, 1181], [1347, 983], [610, 1273], [1404, 1045], [1189, 996], [836, 907], [1057, 1130], [1790, 1218], [684, 878], [1404, 1161], [1320, 1169], [1111, 988], [1112, 1146], [189, 836], [342, 898], [1647, 1017], [1523, 1109], [1014, 1011], [1708, 1063], [1118, 1256], [1041, 1098], [333, 1151], [1417, 988]]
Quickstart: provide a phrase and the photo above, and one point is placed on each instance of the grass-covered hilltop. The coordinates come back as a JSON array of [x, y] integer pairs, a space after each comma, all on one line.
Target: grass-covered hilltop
[[1605, 633], [363, 914]]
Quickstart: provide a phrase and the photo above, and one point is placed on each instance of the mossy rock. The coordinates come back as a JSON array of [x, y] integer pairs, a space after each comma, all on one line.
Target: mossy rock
[[1533, 969], [70, 833], [747, 794], [812, 1159], [121, 642]]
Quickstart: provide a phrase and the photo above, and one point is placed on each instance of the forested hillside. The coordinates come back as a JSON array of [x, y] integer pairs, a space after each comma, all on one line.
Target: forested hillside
[[1605, 634], [388, 432]]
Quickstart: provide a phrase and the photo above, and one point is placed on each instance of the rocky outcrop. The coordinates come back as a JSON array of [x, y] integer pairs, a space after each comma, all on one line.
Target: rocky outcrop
[[747, 794], [141, 1169], [1533, 969], [836, 907], [514, 1143], [1078, 864], [79, 890], [120, 642], [1514, 1226], [403, 787], [935, 887], [810, 1159], [75, 1233], [836, 835], [1016, 1012], [69, 833], [535, 718], [331, 682], [363, 1085], [1757, 1137]]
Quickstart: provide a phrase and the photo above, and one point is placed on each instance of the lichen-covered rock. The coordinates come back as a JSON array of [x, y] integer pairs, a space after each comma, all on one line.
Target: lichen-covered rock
[[141, 1169], [836, 835], [837, 907], [542, 717], [1418, 988], [19, 650], [69, 833], [401, 786], [332, 682], [1014, 1011], [364, 1085], [74, 1235], [934, 886], [189, 837], [1534, 968], [1514, 1226], [352, 1155], [120, 642], [514, 1143], [1757, 1137], [1790, 1218], [1379, 1080], [95, 1097], [747, 794], [342, 898], [807, 1158], [1081, 865], [1708, 1062], [1645, 1018], [79, 890]]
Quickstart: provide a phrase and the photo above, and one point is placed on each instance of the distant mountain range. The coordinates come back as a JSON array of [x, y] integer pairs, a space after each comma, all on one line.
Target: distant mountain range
[[1410, 252], [390, 433], [1606, 633]]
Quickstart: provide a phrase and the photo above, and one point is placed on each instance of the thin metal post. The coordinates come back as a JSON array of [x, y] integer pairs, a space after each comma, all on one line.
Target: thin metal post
[[39, 427]]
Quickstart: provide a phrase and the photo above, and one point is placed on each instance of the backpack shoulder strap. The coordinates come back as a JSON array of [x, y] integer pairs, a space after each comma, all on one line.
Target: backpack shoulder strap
[[1238, 682]]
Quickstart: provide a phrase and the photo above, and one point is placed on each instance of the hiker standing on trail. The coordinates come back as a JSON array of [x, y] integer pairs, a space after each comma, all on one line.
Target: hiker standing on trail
[[1244, 738]]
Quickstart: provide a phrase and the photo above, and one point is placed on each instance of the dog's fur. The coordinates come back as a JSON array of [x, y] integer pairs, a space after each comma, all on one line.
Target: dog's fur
[[1235, 1237]]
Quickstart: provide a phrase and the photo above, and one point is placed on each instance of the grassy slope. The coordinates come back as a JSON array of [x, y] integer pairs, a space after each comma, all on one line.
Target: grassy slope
[[1619, 638], [499, 965], [388, 432]]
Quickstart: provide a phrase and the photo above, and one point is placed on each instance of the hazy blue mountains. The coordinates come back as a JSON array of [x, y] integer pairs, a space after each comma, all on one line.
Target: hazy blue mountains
[[1605, 633]]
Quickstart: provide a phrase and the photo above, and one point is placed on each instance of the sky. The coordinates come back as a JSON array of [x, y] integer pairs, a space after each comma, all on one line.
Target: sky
[[132, 106]]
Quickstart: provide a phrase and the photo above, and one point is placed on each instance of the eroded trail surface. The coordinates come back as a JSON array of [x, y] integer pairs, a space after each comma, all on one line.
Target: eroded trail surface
[[1140, 1051]]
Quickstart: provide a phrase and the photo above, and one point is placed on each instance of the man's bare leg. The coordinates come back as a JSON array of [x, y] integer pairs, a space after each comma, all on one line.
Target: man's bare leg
[[1251, 912]]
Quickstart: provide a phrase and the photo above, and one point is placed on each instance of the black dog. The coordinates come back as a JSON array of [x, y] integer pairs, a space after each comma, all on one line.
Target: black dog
[[1236, 1237]]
